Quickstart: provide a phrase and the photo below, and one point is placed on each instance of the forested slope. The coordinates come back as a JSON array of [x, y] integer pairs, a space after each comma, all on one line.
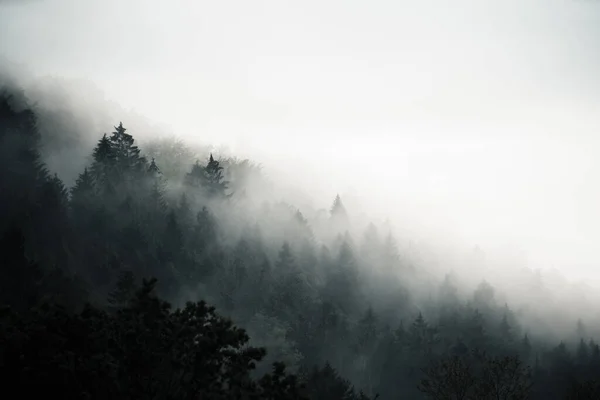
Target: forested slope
[[83, 316]]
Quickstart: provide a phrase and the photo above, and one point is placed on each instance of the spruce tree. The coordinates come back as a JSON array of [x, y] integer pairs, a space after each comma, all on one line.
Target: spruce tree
[[103, 166], [337, 209], [126, 153]]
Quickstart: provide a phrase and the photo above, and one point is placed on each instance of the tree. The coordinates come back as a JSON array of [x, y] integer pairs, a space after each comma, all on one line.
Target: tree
[[448, 379], [208, 178], [526, 347], [422, 337], [338, 209], [504, 378], [215, 181], [153, 169], [126, 153], [84, 186], [103, 166], [157, 203], [326, 384], [339, 216], [289, 293], [505, 329], [143, 350], [455, 378]]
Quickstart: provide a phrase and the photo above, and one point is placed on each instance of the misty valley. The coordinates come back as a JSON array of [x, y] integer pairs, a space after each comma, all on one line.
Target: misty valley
[[168, 272]]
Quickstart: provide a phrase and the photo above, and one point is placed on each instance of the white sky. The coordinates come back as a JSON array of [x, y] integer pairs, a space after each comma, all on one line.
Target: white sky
[[481, 117]]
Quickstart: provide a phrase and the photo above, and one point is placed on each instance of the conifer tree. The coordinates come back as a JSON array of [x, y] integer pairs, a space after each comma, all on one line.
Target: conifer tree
[[215, 181], [126, 153], [157, 190], [103, 166], [209, 178], [337, 209]]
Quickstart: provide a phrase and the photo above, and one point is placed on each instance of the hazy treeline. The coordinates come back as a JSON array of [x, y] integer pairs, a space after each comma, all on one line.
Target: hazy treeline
[[341, 310]]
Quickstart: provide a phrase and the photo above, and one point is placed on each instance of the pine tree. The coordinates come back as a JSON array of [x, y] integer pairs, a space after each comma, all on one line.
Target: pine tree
[[526, 347], [289, 287], [172, 239], [216, 182], [209, 178], [103, 166], [153, 169], [367, 331], [337, 209], [82, 199], [156, 193], [422, 337], [285, 262], [505, 329], [103, 152], [83, 188], [581, 329], [184, 210], [126, 153], [196, 177], [583, 353]]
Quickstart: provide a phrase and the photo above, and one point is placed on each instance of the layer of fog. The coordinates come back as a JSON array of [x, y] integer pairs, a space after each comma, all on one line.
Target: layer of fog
[[463, 125]]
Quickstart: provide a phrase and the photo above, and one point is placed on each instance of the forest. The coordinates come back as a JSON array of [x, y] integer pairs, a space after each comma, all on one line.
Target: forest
[[154, 278]]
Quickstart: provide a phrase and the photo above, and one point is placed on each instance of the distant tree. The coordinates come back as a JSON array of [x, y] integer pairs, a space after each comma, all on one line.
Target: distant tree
[[157, 191], [103, 166], [338, 209], [484, 295], [581, 329], [505, 329], [421, 336], [210, 178], [126, 153], [215, 181], [448, 292], [153, 168], [526, 347], [289, 292]]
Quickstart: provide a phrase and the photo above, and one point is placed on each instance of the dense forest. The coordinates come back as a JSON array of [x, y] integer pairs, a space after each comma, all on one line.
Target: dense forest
[[154, 278]]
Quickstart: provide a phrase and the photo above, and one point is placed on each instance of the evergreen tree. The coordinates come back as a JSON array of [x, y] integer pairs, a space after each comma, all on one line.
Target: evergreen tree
[[504, 329], [103, 166], [337, 209], [209, 178], [215, 181], [126, 153]]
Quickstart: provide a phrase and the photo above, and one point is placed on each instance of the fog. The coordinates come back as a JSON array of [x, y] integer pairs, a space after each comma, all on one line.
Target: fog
[[465, 123]]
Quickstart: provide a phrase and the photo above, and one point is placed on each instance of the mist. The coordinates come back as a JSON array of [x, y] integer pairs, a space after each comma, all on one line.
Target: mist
[[471, 121]]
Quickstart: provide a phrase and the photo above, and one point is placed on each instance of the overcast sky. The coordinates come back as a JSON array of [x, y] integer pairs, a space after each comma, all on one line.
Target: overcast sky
[[477, 116]]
